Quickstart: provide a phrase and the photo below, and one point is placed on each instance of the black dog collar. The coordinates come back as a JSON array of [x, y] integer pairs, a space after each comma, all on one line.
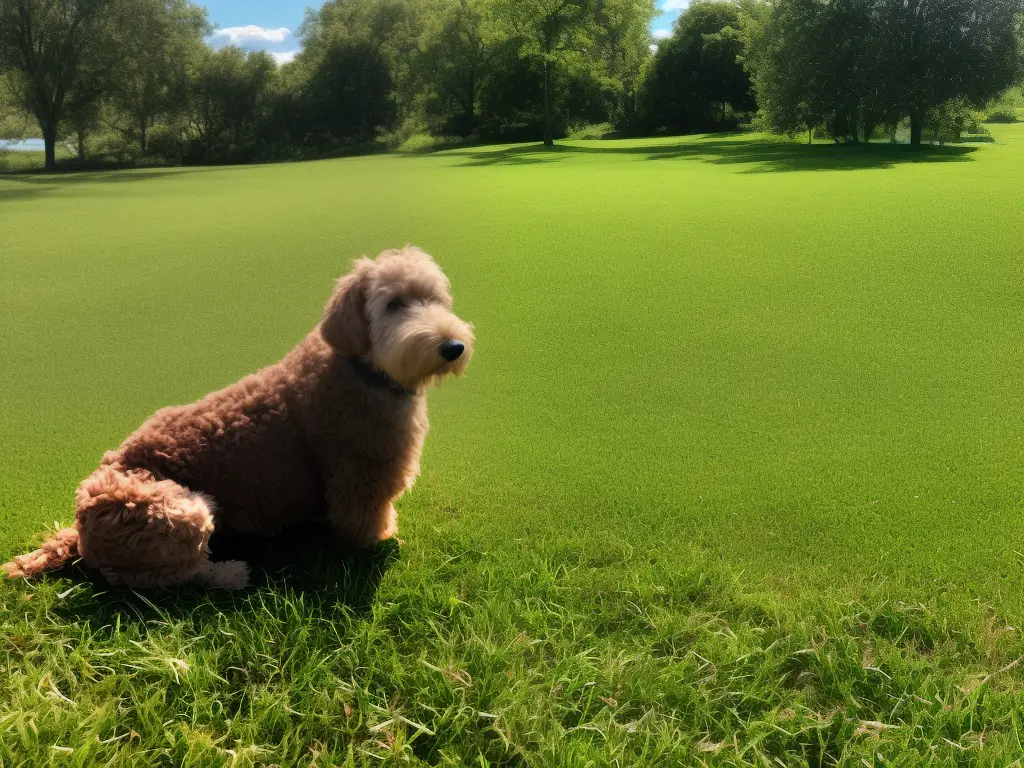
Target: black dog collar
[[376, 378]]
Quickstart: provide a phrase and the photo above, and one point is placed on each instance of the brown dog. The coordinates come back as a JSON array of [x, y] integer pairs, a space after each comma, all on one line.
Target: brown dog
[[332, 431]]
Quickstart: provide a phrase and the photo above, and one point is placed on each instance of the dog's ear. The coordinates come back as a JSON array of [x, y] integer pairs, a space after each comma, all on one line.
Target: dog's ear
[[344, 326]]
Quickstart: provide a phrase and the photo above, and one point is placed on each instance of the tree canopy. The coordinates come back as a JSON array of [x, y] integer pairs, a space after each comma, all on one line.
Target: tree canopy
[[697, 81], [850, 65], [139, 75]]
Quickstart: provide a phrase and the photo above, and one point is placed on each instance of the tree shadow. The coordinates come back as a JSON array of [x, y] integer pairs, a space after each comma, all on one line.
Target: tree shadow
[[761, 156], [32, 184], [305, 563], [519, 154]]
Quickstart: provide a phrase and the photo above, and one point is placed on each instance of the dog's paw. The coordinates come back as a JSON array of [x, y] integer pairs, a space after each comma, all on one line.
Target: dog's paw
[[231, 574], [112, 577]]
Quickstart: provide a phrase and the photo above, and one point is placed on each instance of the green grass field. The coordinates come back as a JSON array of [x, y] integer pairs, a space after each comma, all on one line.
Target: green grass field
[[734, 477]]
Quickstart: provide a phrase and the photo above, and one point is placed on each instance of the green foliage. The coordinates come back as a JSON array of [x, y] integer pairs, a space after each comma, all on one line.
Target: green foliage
[[426, 142], [349, 93], [58, 56], [584, 131], [583, 53], [485, 70], [19, 161], [625, 42], [966, 50], [456, 58], [851, 65], [553, 36], [697, 81], [15, 122], [230, 95], [372, 73], [815, 65], [158, 41], [1008, 108], [393, 26]]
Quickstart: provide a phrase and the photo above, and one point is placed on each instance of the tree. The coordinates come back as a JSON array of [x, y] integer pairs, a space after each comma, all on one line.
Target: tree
[[157, 40], [625, 39], [479, 72], [552, 32], [82, 113], [852, 64], [393, 26], [15, 122], [779, 63], [511, 95], [697, 81], [454, 60], [937, 51], [229, 101], [349, 94], [811, 63], [56, 48]]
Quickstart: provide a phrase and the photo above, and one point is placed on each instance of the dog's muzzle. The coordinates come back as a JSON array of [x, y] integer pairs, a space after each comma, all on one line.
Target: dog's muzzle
[[452, 350]]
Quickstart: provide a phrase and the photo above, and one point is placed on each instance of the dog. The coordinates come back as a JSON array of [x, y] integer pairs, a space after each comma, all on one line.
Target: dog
[[333, 431]]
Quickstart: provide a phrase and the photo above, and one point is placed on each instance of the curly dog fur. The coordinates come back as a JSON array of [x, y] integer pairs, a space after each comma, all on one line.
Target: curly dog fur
[[334, 430]]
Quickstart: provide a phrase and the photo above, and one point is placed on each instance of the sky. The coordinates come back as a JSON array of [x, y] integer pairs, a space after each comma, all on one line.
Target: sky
[[271, 25]]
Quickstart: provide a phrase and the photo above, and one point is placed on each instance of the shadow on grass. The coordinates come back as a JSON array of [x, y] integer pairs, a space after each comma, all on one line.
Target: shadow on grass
[[304, 564], [761, 156], [32, 184]]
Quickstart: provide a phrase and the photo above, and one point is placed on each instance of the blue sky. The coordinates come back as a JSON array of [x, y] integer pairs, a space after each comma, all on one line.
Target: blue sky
[[662, 26], [270, 25]]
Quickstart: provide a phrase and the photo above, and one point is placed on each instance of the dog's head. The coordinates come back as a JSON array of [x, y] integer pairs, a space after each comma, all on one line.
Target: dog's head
[[395, 312]]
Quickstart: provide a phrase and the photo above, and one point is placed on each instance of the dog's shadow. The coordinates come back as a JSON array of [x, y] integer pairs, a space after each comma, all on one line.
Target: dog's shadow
[[311, 561], [306, 562]]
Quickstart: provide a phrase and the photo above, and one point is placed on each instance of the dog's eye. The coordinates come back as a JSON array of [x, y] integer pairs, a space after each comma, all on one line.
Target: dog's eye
[[396, 304]]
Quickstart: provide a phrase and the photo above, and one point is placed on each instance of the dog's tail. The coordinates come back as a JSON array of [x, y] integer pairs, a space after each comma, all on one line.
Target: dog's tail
[[54, 553]]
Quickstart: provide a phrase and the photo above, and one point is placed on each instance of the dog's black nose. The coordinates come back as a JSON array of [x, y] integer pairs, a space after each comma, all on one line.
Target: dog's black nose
[[452, 350]]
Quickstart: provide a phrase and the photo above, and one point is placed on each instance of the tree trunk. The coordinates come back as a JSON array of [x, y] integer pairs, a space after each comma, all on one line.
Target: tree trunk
[[809, 132], [50, 141], [869, 129], [362, 131], [938, 126], [549, 140], [471, 106], [142, 136], [81, 146], [915, 129]]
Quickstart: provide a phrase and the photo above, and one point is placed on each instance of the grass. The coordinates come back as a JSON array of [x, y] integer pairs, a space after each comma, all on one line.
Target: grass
[[20, 161], [734, 478]]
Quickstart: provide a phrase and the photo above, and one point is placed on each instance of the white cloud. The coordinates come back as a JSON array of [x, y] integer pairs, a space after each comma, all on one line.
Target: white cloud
[[251, 33], [283, 57], [675, 5], [661, 34]]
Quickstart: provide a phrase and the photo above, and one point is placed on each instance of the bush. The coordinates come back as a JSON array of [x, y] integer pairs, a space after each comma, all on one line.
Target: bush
[[165, 144], [424, 142], [1001, 114], [590, 130], [1006, 109]]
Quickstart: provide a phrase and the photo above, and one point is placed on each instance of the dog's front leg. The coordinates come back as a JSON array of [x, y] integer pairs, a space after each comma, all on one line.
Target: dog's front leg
[[361, 510]]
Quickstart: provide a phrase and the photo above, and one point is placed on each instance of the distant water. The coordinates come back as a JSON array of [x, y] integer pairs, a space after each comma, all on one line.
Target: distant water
[[23, 145]]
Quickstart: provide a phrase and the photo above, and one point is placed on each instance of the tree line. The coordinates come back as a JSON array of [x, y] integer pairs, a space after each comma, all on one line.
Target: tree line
[[141, 71]]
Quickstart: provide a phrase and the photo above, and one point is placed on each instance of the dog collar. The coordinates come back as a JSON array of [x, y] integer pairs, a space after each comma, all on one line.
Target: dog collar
[[377, 378]]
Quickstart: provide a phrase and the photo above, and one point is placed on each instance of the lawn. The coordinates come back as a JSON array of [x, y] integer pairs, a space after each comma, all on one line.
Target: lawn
[[734, 477]]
